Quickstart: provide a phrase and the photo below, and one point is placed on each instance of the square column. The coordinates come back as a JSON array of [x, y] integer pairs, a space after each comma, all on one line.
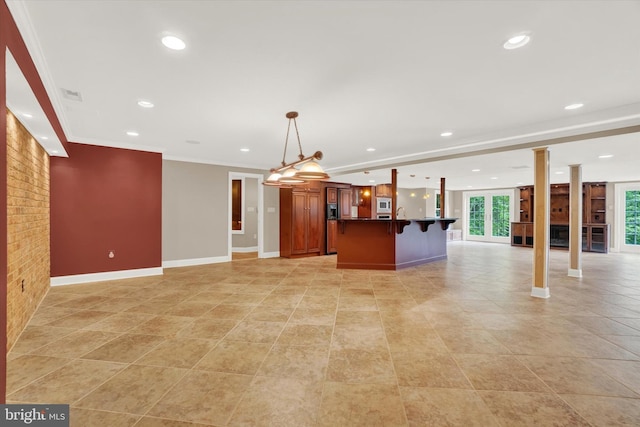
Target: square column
[[541, 189], [575, 221]]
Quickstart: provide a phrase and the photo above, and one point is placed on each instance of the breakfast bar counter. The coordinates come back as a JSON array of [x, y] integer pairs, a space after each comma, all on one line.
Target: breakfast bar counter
[[391, 244]]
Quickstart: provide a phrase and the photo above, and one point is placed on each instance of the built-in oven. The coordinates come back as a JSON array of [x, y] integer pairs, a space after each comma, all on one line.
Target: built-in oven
[[383, 205]]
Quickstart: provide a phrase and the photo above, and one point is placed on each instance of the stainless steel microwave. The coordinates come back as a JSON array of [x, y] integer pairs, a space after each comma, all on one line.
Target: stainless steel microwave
[[383, 205]]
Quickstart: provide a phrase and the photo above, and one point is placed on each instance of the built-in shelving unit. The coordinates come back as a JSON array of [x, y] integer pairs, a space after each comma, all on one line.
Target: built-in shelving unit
[[595, 230]]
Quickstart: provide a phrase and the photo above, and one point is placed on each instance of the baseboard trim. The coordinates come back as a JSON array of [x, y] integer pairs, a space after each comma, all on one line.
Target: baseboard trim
[[540, 292], [194, 261], [107, 275], [275, 254], [575, 272], [243, 250]]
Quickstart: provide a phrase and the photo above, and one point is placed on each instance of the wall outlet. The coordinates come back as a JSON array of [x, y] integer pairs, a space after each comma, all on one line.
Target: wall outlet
[[112, 254]]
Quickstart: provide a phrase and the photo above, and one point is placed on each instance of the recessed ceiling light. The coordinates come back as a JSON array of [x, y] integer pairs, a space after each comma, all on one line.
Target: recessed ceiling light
[[371, 149], [244, 150], [173, 42], [44, 137], [192, 141], [27, 115], [54, 151], [494, 177], [372, 180], [517, 41], [145, 104], [469, 186], [573, 106], [447, 133], [605, 156], [132, 133], [475, 170], [559, 173]]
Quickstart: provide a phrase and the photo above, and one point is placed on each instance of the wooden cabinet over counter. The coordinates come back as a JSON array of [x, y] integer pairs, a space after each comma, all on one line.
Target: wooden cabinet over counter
[[391, 244]]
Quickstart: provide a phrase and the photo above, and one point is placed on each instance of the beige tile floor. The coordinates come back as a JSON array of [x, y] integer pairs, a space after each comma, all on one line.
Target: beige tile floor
[[278, 342]]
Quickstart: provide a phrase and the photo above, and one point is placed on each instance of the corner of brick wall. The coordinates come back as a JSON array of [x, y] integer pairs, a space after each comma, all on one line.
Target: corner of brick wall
[[28, 227]]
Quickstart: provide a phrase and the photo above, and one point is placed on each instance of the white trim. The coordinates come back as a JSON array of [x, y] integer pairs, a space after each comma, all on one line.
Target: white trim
[[242, 204], [275, 254], [618, 226], [540, 292], [574, 272], [247, 249], [194, 261], [487, 194], [107, 275], [260, 207]]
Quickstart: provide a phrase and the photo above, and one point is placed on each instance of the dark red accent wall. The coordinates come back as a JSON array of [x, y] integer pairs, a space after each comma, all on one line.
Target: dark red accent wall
[[105, 199]]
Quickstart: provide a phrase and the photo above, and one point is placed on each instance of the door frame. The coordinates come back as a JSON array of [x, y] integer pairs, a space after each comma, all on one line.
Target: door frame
[[230, 232], [618, 225], [466, 195]]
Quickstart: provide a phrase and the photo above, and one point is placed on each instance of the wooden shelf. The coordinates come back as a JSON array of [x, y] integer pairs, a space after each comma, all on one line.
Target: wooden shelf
[[594, 210]]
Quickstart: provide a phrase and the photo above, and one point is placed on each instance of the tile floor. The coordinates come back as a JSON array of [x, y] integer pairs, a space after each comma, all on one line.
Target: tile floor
[[278, 342]]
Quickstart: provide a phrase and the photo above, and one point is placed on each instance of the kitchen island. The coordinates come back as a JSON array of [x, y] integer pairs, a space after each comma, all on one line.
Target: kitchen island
[[391, 244]]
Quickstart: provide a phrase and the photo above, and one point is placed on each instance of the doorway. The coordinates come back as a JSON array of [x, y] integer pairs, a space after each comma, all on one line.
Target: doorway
[[488, 215], [627, 225], [246, 217]]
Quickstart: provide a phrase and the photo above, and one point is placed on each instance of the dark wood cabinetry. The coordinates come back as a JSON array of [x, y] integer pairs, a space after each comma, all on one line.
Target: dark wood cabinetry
[[301, 221], [345, 195], [559, 204], [526, 204], [332, 236], [332, 195], [595, 231], [594, 200], [522, 233], [595, 238]]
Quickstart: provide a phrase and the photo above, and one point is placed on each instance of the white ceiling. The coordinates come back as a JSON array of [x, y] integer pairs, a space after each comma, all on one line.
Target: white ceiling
[[390, 75]]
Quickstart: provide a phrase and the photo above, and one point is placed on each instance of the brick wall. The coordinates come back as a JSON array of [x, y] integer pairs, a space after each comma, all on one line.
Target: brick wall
[[28, 227]]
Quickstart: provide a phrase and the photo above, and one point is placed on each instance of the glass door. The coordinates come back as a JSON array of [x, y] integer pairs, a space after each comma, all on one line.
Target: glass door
[[628, 217], [489, 216]]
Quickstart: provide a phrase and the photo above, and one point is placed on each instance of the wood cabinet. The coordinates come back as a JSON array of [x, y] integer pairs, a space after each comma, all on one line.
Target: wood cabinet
[[332, 236], [383, 190], [522, 234], [332, 195], [595, 238], [526, 203], [594, 200], [301, 221], [345, 195], [595, 230], [559, 204]]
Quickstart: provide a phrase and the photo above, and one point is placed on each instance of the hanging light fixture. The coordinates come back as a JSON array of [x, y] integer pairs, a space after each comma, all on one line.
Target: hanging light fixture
[[287, 173]]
